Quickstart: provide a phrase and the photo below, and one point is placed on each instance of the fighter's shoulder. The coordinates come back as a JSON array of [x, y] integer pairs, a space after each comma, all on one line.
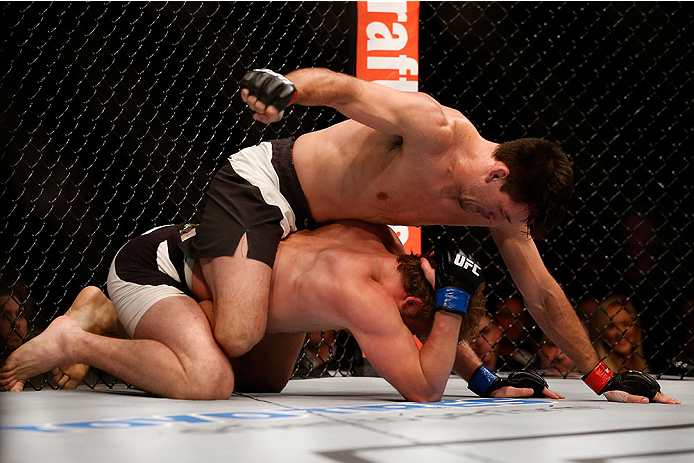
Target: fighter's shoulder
[[455, 129], [461, 125], [370, 308], [352, 273], [344, 262]]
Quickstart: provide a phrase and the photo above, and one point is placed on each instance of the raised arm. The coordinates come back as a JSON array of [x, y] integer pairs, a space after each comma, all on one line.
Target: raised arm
[[384, 109]]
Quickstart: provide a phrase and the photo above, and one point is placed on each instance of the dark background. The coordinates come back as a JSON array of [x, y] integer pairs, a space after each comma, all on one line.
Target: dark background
[[116, 116]]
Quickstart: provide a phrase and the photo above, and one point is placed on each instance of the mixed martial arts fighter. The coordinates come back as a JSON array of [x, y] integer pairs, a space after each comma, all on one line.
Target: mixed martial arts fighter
[[400, 158], [342, 275]]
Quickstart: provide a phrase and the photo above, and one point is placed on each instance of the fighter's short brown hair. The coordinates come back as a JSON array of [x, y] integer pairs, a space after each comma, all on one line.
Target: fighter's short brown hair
[[540, 177]]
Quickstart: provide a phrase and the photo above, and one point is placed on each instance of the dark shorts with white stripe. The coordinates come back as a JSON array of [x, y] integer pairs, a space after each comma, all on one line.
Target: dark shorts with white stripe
[[256, 193], [148, 269]]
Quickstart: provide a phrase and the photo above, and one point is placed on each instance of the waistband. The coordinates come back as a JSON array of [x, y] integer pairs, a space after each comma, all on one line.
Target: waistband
[[289, 183]]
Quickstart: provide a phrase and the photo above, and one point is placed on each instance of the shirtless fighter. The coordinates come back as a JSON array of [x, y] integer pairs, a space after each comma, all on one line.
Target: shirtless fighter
[[339, 276], [400, 158]]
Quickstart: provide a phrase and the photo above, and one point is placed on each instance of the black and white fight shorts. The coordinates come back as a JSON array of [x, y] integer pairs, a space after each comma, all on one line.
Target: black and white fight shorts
[[256, 193], [146, 270]]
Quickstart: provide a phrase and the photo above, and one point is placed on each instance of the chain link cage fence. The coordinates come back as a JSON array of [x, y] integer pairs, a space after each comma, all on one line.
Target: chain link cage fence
[[115, 118]]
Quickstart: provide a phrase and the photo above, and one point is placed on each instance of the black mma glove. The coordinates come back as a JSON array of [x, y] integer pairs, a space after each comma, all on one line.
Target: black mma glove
[[602, 380], [484, 381], [270, 88], [457, 277]]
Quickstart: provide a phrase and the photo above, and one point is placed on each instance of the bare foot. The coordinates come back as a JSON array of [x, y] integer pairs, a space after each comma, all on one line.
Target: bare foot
[[95, 314], [39, 355]]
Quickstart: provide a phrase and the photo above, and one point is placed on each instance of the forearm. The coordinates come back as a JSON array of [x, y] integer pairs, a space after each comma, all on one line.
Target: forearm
[[466, 361], [420, 375], [438, 354], [559, 321], [321, 87], [439, 348], [544, 297], [415, 115]]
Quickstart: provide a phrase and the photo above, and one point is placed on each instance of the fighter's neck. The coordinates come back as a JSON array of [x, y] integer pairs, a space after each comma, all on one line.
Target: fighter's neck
[[387, 275]]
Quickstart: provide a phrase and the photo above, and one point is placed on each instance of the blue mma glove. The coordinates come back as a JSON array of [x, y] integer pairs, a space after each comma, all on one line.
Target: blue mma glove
[[269, 87], [457, 277], [484, 381]]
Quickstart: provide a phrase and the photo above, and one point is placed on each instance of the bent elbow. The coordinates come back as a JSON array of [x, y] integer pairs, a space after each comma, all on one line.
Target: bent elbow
[[425, 396]]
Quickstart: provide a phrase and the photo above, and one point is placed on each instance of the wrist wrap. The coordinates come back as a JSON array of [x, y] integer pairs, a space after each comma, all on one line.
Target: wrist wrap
[[452, 299], [481, 379], [599, 377]]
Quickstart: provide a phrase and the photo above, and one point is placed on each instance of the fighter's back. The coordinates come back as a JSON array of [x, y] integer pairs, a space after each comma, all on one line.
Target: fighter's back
[[316, 271]]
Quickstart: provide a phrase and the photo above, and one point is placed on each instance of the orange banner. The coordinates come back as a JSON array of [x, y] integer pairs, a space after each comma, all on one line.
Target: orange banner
[[388, 54]]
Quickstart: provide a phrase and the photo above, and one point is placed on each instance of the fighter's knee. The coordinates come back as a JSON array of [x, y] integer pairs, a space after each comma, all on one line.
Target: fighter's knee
[[208, 392], [215, 383], [235, 344], [216, 389]]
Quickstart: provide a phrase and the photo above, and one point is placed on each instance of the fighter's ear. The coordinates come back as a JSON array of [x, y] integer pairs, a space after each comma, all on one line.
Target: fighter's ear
[[411, 306], [498, 170]]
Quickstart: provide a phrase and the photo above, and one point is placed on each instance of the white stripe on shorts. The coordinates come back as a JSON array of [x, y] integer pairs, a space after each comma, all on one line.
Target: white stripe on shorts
[[133, 300], [254, 164]]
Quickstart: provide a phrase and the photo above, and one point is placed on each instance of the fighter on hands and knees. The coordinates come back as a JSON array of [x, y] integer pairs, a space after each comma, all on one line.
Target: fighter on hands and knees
[[447, 152], [345, 275]]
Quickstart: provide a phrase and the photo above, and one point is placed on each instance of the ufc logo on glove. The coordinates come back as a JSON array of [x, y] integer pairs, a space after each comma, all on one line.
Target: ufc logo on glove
[[461, 260]]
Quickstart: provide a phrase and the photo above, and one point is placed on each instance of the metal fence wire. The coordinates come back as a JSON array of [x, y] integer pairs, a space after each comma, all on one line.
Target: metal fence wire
[[116, 116]]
